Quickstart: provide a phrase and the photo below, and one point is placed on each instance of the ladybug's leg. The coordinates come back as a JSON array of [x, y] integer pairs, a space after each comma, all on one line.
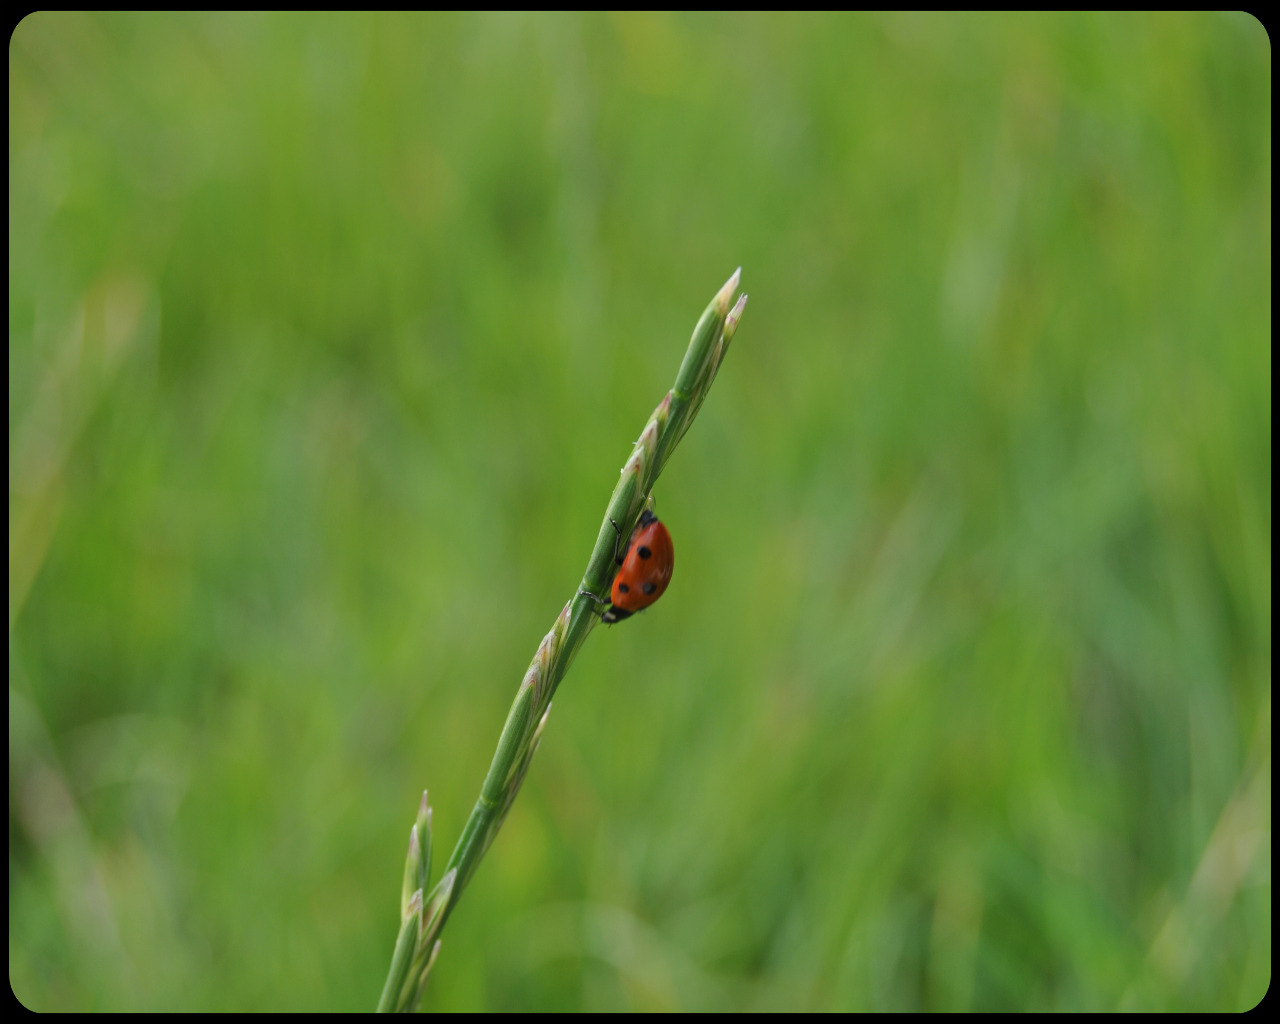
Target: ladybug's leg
[[617, 541], [617, 557]]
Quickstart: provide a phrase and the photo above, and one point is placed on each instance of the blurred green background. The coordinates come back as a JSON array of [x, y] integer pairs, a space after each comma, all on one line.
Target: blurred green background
[[327, 338]]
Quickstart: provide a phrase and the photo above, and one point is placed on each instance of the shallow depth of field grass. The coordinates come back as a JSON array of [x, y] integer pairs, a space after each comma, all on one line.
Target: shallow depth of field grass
[[327, 339]]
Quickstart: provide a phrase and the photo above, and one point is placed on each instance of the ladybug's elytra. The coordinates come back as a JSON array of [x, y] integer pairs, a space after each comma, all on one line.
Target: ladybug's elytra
[[645, 571]]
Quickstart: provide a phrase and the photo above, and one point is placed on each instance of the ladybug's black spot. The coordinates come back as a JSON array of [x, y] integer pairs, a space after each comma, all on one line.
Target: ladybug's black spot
[[649, 588], [624, 589], [644, 552]]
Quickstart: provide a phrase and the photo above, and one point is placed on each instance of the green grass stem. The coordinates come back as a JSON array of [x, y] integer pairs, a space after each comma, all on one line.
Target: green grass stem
[[418, 942]]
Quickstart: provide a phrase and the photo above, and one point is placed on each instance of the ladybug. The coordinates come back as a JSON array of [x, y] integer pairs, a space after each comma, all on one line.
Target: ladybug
[[646, 565]]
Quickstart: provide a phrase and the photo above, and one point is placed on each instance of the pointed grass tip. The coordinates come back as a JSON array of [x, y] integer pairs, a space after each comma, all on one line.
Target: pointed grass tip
[[735, 314], [423, 821], [413, 906], [648, 439], [542, 724], [440, 895], [725, 295]]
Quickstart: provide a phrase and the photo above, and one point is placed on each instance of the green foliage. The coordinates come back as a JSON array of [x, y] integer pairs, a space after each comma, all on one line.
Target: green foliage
[[326, 336]]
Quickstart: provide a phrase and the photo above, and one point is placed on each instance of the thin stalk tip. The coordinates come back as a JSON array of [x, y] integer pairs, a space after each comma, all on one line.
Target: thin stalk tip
[[725, 295]]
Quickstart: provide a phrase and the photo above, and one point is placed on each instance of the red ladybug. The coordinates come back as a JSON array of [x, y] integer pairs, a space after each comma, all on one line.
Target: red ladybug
[[645, 571]]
